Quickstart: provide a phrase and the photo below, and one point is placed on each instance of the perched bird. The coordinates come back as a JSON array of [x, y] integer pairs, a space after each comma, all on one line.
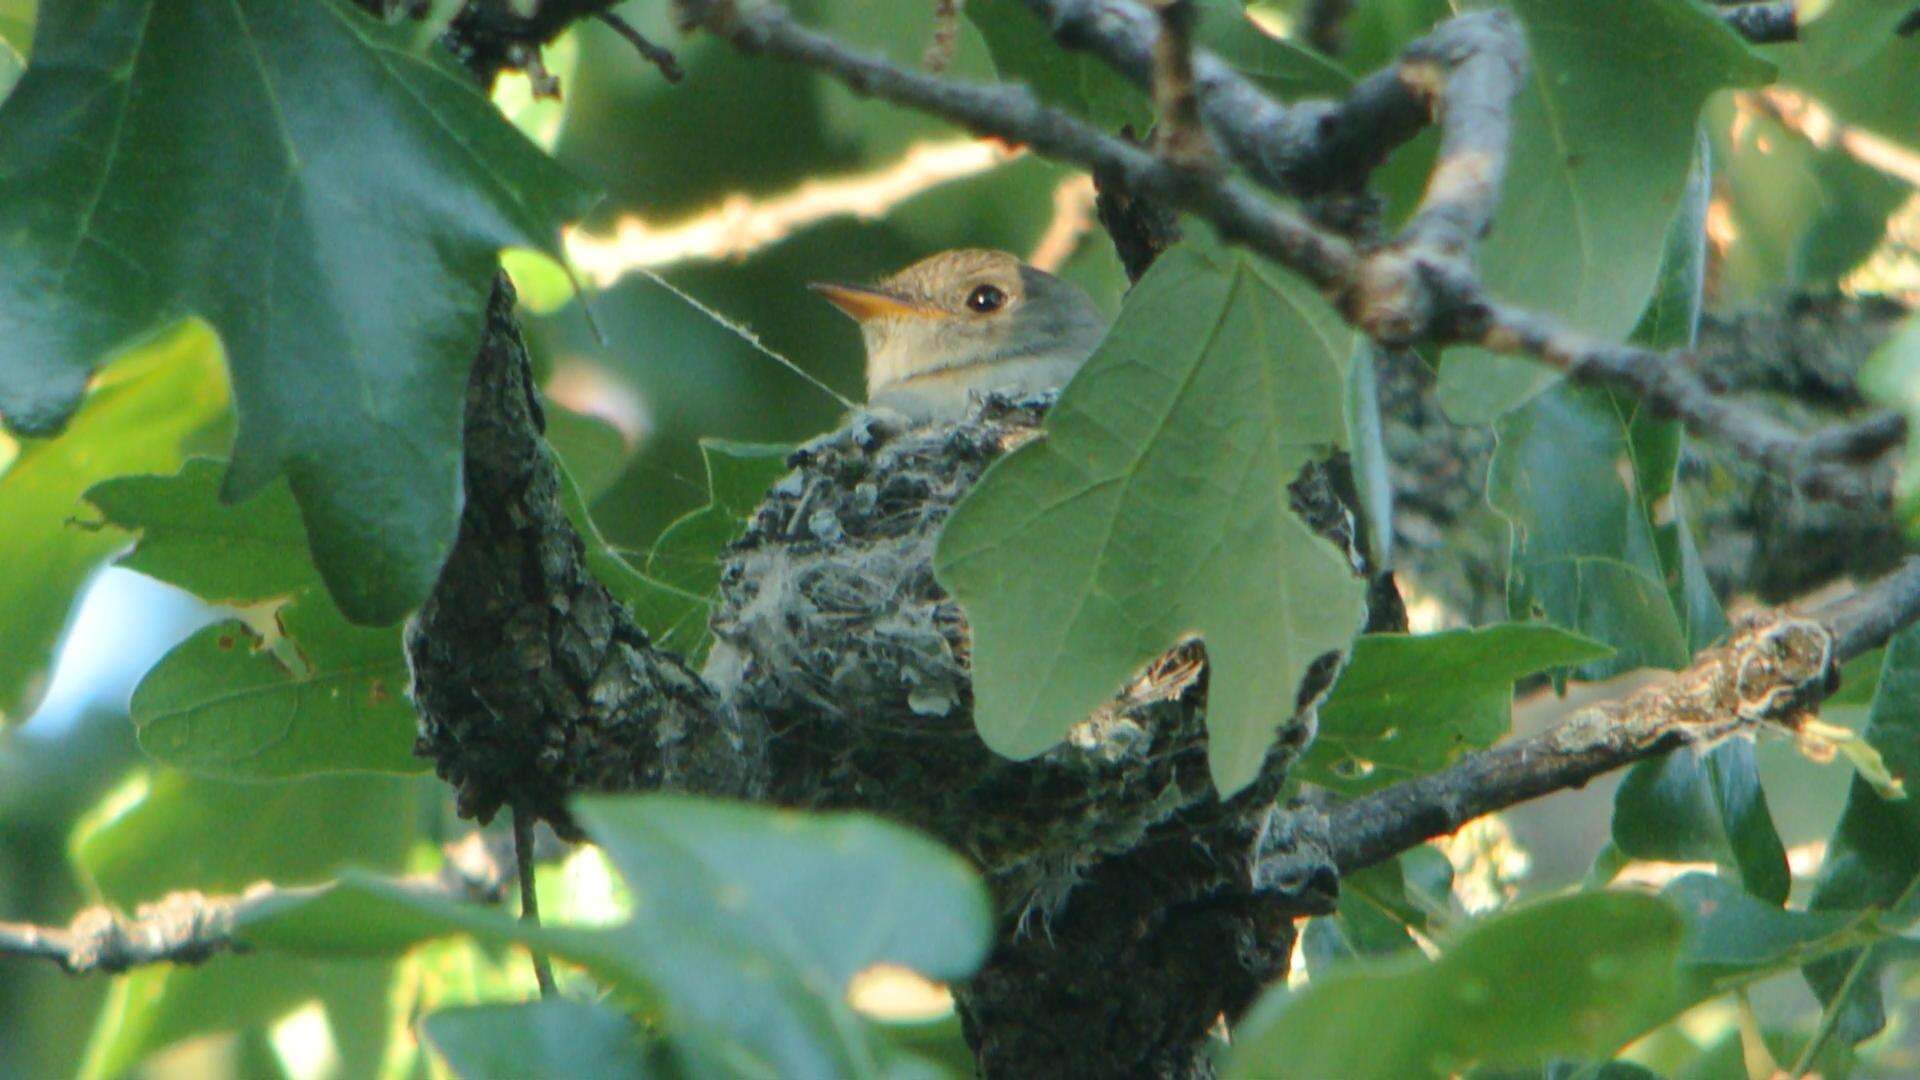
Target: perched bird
[[961, 323]]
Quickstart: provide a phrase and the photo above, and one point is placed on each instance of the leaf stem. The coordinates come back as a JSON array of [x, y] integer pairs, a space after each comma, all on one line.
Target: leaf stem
[[529, 902]]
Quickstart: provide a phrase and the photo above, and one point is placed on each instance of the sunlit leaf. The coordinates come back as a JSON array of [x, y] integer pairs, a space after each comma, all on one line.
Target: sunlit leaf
[[747, 924], [142, 416], [574, 1039]]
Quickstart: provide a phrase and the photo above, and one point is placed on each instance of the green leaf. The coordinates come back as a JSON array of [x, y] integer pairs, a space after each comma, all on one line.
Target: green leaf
[[148, 406], [1596, 968], [537, 1038], [170, 158], [1586, 478], [1156, 508], [1285, 69], [1874, 854], [1023, 51], [185, 536], [1406, 706], [1801, 215], [1380, 904], [174, 832], [1688, 806], [747, 924], [1585, 553], [317, 694], [1891, 377], [788, 884], [685, 560], [331, 697], [1603, 137], [594, 451]]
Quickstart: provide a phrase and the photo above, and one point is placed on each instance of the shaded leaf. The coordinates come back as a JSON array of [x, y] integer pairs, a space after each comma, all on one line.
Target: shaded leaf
[[1597, 968], [1077, 81], [1891, 377], [1603, 137], [1156, 508], [349, 299], [1689, 806], [147, 408], [685, 560], [1874, 854], [574, 1039], [1407, 705], [1285, 69]]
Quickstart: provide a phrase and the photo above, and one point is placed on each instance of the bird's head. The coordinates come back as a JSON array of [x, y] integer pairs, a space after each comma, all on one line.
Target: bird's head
[[957, 317]]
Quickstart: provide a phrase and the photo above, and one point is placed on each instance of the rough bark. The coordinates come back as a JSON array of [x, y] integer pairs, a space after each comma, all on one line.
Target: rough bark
[[533, 684]]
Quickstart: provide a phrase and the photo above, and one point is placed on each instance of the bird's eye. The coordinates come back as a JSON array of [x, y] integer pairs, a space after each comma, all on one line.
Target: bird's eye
[[985, 299]]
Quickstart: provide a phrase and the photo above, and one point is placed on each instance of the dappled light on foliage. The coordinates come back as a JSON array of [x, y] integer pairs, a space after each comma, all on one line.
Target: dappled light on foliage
[[569, 674]]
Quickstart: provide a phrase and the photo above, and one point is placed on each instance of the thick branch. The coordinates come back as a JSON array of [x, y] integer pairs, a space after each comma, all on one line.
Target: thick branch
[[1770, 672]]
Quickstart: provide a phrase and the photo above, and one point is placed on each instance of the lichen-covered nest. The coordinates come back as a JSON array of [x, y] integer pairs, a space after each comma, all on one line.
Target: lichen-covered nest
[[832, 626]]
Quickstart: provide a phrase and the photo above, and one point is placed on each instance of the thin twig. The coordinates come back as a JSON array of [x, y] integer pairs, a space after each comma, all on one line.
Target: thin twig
[[523, 860], [1774, 669], [187, 927], [657, 55]]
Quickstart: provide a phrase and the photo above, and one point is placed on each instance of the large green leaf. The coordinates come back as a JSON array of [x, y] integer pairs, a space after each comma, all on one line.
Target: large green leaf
[[1603, 136], [538, 1038], [1575, 975], [1406, 706], [168, 157], [317, 694], [174, 832], [147, 407], [1156, 508], [747, 924], [1874, 854]]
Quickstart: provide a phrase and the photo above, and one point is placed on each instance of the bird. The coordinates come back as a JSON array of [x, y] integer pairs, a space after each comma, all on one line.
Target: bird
[[957, 325]]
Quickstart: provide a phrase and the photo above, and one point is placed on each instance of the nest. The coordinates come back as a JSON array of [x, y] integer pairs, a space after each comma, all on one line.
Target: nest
[[832, 627]]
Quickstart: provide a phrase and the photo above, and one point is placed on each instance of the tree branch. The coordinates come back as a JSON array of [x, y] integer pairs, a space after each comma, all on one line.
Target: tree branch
[[1770, 673], [187, 927], [1421, 287]]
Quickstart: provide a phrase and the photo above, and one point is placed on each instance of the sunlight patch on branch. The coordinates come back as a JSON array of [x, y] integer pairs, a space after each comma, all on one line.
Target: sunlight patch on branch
[[741, 225]]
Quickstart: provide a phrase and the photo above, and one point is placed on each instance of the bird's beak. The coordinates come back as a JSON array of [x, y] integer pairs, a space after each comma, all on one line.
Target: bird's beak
[[865, 303]]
